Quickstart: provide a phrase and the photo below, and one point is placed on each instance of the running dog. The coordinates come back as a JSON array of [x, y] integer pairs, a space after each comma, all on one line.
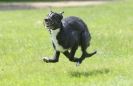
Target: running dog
[[67, 35]]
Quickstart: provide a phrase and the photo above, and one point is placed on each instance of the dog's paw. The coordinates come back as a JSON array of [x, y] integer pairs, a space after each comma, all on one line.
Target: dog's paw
[[45, 59]]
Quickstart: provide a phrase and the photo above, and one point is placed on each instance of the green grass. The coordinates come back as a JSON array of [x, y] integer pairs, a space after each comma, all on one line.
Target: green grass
[[24, 41]]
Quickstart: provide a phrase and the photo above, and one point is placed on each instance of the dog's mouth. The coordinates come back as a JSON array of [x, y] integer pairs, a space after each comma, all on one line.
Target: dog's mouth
[[49, 25]]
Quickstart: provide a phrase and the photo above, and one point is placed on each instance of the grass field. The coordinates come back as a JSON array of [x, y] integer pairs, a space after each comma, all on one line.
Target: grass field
[[24, 41]]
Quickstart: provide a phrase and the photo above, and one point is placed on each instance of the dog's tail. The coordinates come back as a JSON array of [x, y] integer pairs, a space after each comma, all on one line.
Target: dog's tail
[[90, 54]]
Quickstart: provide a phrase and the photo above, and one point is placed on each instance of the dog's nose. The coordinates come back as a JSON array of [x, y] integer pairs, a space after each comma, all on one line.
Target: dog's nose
[[46, 20]]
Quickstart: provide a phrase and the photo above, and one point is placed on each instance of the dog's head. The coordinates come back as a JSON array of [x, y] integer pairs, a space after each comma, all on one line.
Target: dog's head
[[53, 20]]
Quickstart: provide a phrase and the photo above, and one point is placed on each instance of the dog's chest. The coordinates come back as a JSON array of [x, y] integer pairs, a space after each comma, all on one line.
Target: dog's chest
[[54, 34]]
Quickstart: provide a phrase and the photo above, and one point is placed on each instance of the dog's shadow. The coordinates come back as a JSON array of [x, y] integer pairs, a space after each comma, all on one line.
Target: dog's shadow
[[88, 73]]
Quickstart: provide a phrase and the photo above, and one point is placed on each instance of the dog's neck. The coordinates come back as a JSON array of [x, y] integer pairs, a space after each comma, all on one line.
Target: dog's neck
[[56, 29]]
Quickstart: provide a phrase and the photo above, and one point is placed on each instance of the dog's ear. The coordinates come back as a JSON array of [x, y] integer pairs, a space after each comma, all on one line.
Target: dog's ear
[[61, 12], [51, 11], [61, 15]]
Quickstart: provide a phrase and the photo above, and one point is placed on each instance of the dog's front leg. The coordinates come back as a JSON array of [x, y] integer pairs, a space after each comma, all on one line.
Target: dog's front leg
[[54, 59]]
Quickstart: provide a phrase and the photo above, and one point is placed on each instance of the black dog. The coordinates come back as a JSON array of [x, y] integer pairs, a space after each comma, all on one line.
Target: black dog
[[67, 34]]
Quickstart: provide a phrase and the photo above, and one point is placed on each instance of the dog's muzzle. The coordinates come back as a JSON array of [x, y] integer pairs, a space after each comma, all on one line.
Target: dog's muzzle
[[48, 22]]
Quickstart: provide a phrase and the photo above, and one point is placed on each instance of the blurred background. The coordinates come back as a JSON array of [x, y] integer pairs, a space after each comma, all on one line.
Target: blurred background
[[24, 41], [32, 4]]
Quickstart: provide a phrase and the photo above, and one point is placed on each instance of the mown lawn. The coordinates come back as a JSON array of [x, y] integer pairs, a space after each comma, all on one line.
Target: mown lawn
[[24, 41]]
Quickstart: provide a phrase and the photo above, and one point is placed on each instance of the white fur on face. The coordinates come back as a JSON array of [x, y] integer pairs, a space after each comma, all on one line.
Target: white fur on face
[[54, 34]]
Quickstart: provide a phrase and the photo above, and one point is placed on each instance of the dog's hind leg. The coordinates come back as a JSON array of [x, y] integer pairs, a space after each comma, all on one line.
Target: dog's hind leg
[[70, 55], [85, 42], [86, 55], [52, 60]]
